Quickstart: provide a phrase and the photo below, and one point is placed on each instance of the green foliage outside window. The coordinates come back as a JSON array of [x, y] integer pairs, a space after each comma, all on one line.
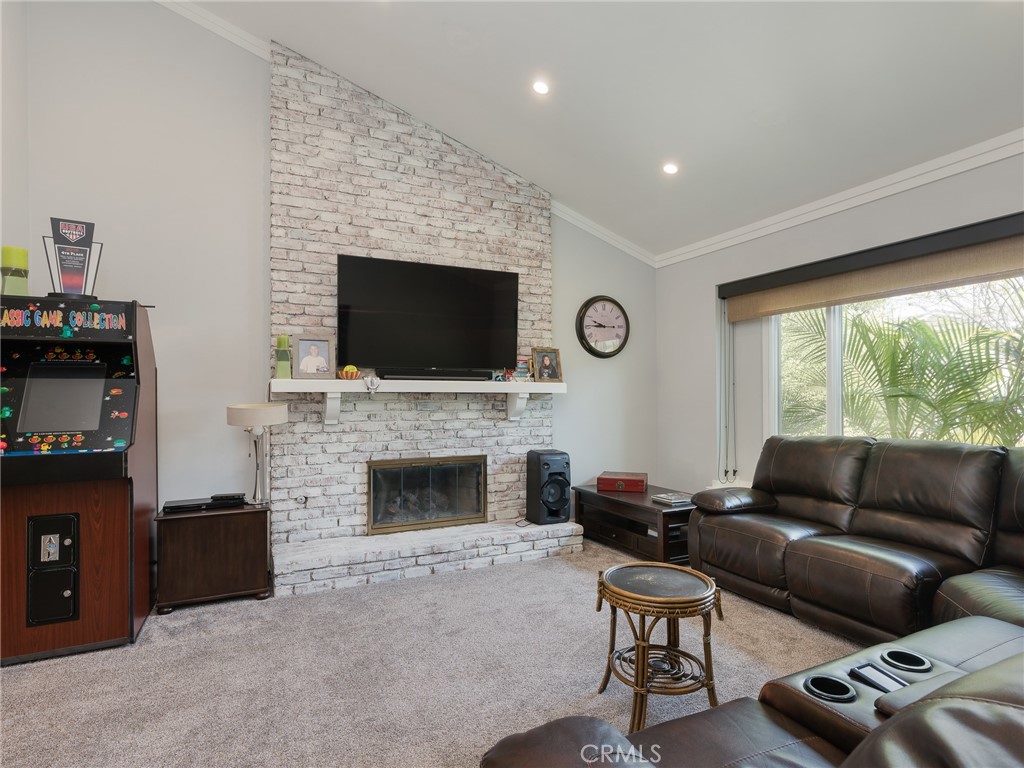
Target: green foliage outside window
[[941, 365]]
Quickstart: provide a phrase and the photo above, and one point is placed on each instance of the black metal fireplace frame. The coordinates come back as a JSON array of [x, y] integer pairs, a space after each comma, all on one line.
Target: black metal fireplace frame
[[477, 461]]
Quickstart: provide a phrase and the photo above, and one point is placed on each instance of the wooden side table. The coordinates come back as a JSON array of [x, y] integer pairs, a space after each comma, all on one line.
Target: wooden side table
[[631, 521], [213, 554], [658, 591]]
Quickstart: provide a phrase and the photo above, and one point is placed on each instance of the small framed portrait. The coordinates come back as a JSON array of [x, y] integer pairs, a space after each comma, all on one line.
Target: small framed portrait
[[313, 355], [547, 365]]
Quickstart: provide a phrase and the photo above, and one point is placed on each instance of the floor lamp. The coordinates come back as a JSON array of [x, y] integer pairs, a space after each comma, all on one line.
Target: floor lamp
[[255, 418]]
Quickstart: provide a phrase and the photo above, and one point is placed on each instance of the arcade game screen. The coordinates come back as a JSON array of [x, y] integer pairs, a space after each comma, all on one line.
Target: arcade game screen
[[62, 398]]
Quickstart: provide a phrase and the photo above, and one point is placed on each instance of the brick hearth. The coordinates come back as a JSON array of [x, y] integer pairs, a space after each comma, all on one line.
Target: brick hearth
[[347, 562]]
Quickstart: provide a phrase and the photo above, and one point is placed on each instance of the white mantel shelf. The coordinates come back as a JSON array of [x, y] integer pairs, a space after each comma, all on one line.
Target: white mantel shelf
[[517, 392]]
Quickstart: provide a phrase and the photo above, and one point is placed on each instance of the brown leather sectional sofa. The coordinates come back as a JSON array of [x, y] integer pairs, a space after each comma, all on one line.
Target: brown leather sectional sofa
[[964, 709], [872, 539], [876, 540]]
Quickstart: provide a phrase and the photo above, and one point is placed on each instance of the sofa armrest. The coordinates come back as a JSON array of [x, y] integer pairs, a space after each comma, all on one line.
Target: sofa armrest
[[724, 501], [569, 742], [891, 703]]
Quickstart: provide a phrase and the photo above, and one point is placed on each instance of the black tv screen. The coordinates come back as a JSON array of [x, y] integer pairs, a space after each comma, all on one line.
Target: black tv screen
[[62, 397], [401, 314]]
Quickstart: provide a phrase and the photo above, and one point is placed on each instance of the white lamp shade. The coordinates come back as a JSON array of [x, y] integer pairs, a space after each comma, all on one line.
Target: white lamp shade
[[257, 414]]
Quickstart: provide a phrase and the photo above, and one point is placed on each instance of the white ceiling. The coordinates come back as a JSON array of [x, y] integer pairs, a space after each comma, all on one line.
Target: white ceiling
[[765, 106]]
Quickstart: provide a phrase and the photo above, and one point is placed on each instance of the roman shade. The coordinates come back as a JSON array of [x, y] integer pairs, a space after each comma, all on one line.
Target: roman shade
[[974, 253], [995, 260]]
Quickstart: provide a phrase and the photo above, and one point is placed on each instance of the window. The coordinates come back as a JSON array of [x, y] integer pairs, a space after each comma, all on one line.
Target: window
[[944, 364], [886, 341]]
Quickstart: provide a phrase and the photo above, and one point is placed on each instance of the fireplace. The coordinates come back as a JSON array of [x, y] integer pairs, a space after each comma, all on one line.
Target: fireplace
[[409, 494]]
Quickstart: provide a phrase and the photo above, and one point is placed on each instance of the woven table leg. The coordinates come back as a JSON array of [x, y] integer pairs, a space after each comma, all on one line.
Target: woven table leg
[[611, 650], [709, 674]]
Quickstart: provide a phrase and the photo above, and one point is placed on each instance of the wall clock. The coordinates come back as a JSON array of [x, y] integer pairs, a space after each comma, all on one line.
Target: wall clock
[[602, 326]]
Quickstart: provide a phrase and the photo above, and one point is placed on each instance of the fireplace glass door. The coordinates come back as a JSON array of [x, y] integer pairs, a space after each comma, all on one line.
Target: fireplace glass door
[[408, 494]]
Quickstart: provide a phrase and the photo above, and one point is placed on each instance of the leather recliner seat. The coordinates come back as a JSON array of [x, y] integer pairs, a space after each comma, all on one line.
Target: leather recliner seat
[[997, 590], [924, 514], [801, 489]]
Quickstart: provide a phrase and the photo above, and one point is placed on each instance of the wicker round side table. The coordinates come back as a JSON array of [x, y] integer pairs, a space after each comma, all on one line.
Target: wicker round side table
[[658, 591]]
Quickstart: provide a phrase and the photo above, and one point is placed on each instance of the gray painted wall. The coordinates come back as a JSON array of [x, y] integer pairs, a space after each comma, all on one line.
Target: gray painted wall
[[14, 228], [687, 388], [157, 130], [607, 419]]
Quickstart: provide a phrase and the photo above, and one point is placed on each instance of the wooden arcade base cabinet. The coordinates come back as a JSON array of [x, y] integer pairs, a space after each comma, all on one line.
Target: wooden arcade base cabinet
[[78, 482]]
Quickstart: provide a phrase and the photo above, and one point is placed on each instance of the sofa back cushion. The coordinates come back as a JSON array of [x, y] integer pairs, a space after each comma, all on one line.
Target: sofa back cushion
[[1009, 546], [813, 478], [938, 496]]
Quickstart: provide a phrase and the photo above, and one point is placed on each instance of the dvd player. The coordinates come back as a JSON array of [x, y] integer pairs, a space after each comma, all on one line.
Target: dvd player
[[217, 501]]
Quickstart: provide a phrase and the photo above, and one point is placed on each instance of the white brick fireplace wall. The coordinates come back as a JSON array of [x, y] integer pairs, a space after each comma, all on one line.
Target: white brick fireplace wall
[[351, 173]]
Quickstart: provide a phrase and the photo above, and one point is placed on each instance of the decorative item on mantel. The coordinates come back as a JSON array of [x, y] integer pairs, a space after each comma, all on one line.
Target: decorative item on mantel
[[547, 364], [255, 418], [283, 358], [349, 372], [314, 352], [523, 371]]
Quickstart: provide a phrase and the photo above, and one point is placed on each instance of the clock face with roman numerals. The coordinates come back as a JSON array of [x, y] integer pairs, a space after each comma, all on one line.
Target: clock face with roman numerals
[[602, 326]]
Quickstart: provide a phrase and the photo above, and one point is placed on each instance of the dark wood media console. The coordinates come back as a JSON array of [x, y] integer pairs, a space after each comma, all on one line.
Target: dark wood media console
[[213, 554], [634, 523]]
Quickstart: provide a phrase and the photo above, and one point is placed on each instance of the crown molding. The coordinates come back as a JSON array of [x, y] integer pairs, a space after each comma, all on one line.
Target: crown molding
[[568, 214], [976, 156], [218, 26]]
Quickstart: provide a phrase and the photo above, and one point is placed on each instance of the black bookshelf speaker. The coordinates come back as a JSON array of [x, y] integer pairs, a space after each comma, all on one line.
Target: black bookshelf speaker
[[547, 487]]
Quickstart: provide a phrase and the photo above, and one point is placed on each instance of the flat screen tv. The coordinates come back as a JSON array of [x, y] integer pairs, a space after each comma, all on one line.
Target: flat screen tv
[[418, 320]]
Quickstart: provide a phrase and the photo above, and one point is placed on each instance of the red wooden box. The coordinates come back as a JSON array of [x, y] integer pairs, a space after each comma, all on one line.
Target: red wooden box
[[635, 482]]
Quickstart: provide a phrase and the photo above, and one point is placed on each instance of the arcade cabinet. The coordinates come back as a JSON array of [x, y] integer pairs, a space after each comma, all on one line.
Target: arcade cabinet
[[78, 477]]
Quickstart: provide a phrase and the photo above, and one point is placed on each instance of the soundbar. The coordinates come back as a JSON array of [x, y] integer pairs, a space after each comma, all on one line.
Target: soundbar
[[441, 374]]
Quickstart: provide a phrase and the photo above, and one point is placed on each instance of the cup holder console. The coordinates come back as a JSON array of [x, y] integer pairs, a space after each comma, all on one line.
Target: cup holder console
[[906, 660], [829, 688]]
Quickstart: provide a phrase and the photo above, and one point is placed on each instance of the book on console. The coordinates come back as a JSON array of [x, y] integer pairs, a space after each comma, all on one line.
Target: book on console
[[672, 498]]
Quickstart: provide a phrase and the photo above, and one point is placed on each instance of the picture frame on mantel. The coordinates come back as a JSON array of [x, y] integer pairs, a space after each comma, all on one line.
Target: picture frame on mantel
[[313, 355], [546, 363]]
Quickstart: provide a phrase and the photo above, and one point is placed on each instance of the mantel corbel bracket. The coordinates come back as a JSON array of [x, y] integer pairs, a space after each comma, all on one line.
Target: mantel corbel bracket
[[332, 407], [516, 405]]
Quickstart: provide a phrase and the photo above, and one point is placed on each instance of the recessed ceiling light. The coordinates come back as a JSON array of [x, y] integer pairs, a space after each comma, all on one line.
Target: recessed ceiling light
[[670, 168], [541, 87]]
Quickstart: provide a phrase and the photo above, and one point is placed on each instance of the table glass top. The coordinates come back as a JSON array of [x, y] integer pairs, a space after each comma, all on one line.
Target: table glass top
[[656, 581]]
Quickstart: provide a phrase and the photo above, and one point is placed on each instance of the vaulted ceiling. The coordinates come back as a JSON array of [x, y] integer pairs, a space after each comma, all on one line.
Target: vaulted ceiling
[[765, 107]]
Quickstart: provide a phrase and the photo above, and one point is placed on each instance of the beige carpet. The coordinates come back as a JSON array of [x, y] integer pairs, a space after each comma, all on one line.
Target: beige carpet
[[424, 672]]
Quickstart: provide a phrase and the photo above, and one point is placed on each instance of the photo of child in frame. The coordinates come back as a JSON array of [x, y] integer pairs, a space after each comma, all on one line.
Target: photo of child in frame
[[312, 356], [547, 365]]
